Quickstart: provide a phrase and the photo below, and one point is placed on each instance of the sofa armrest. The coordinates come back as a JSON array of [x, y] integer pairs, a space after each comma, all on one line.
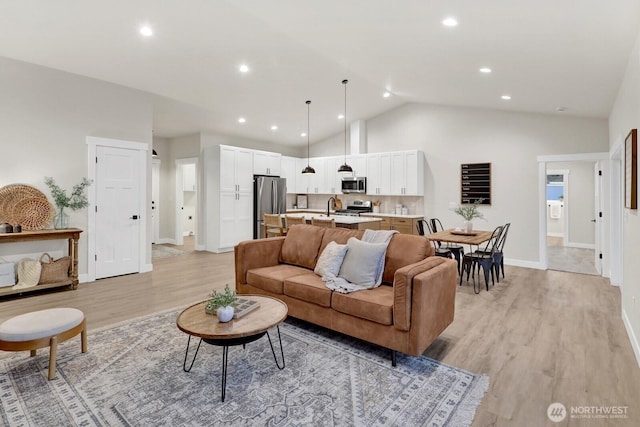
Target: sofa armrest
[[251, 254]]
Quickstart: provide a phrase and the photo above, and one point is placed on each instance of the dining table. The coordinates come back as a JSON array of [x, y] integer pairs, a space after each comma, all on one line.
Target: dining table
[[452, 235]]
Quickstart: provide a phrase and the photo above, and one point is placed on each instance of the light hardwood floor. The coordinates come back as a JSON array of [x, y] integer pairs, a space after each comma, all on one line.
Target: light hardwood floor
[[541, 336]]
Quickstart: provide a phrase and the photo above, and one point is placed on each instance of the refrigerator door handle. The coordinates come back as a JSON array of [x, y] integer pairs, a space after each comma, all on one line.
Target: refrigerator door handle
[[274, 197]]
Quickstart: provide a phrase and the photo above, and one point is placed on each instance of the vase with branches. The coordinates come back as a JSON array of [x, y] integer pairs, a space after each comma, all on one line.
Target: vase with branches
[[469, 212], [74, 201]]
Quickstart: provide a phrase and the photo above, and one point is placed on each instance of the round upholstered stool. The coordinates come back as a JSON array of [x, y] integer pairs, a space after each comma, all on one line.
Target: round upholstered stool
[[44, 328]]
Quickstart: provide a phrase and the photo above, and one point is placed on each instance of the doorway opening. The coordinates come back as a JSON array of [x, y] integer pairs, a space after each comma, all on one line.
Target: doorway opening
[[186, 204]]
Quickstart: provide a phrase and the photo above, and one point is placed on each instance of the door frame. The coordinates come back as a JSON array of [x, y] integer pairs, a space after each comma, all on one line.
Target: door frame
[[179, 238], [143, 170], [542, 199], [616, 198], [155, 186], [565, 211]]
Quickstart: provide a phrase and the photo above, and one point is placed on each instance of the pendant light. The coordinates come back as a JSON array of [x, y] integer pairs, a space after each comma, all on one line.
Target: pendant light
[[308, 169], [345, 167]]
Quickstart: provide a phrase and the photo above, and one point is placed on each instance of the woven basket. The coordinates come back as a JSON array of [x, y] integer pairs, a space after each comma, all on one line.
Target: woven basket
[[32, 213], [11, 194], [28, 273], [54, 270]]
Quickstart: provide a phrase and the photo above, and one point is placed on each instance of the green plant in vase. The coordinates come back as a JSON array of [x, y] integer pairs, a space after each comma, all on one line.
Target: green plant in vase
[[469, 212], [221, 303], [74, 201]]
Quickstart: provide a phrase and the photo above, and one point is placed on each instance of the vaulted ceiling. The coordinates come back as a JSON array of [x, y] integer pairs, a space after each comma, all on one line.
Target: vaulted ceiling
[[545, 54]]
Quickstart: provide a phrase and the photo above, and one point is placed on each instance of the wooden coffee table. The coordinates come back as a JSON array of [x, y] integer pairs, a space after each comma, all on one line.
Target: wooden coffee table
[[194, 321]]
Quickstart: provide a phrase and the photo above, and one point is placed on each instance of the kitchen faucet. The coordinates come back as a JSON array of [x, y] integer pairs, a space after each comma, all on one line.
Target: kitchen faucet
[[329, 204]]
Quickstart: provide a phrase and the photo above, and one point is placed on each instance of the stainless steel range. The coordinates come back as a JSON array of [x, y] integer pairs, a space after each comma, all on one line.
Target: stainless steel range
[[355, 208]]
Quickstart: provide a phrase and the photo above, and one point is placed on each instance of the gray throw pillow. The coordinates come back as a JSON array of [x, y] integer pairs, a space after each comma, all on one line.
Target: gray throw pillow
[[330, 260], [362, 263]]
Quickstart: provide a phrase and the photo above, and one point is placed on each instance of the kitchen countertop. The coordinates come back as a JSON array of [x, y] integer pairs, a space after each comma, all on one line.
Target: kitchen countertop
[[368, 214], [340, 219], [308, 210]]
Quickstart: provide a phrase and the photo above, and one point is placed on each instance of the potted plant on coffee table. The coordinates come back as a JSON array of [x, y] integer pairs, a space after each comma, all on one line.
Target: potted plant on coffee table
[[221, 303], [469, 212]]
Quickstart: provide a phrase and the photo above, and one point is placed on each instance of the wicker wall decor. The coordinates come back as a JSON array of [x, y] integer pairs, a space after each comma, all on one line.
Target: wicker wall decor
[[25, 205]]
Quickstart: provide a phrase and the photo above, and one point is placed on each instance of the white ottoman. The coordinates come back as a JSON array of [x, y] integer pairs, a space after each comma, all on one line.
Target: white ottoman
[[44, 328]]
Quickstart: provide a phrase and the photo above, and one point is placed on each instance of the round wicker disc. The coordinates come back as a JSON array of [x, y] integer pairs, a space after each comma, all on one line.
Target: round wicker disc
[[32, 213], [12, 194]]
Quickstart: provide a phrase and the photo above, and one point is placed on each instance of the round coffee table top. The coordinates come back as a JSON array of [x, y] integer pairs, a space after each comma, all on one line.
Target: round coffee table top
[[195, 321]]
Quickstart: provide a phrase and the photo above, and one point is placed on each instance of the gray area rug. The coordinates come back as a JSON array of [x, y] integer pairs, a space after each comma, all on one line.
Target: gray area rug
[[573, 260], [132, 376], [162, 251]]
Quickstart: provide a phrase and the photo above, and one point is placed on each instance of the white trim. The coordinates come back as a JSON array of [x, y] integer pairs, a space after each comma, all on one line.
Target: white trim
[[92, 143], [83, 278], [633, 338], [526, 264], [579, 157], [200, 248], [155, 225], [616, 236], [146, 268], [180, 197], [580, 245], [555, 234], [166, 240]]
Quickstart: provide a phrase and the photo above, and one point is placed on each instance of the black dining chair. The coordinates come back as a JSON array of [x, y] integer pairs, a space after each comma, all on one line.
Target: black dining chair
[[423, 229], [484, 259], [498, 255], [456, 250]]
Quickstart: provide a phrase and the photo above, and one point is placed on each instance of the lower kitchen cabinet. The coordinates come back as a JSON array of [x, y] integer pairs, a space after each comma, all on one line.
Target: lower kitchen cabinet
[[400, 224], [236, 218]]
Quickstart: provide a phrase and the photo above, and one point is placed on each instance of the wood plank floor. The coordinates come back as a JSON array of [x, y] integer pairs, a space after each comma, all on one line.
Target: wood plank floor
[[541, 336]]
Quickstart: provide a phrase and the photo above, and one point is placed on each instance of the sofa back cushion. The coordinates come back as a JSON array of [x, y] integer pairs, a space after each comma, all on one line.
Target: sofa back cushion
[[404, 249], [339, 235], [301, 247]]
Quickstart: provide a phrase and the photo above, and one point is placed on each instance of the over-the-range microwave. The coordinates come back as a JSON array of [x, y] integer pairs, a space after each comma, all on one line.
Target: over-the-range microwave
[[354, 184]]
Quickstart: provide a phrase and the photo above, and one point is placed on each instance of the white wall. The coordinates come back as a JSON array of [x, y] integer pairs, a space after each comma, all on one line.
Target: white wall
[[625, 116], [45, 117], [511, 141]]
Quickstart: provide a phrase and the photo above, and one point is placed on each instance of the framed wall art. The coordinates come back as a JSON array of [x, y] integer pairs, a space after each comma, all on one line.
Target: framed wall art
[[631, 170]]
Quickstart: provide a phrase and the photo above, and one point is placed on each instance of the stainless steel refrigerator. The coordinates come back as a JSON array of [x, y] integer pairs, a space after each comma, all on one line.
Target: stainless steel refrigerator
[[270, 196]]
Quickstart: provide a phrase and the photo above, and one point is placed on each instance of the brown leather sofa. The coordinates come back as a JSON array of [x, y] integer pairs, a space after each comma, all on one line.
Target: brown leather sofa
[[414, 304]]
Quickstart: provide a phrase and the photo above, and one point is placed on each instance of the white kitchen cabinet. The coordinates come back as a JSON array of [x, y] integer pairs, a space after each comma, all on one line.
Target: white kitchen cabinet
[[289, 171], [333, 179], [318, 180], [302, 179], [236, 165], [358, 163], [379, 174], [407, 173], [236, 218], [266, 163]]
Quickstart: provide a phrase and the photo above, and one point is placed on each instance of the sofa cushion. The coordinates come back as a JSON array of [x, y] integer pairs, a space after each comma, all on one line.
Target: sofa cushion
[[372, 304], [272, 278], [330, 260], [362, 264], [302, 246], [309, 288], [339, 235], [404, 249]]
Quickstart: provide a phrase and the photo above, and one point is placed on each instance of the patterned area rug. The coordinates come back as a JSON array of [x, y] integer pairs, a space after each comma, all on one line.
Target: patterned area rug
[[132, 376], [162, 251]]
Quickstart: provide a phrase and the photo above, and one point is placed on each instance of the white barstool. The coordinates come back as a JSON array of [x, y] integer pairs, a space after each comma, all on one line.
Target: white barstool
[[44, 328]]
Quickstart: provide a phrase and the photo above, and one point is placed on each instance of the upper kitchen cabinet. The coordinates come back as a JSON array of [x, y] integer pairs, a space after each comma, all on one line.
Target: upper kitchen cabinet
[[288, 170], [302, 179], [318, 180], [266, 163], [379, 174], [235, 166], [407, 173], [333, 179], [358, 163]]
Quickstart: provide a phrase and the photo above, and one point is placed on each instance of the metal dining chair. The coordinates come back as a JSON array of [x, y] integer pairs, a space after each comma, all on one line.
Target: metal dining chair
[[456, 250], [484, 259], [423, 229], [498, 255]]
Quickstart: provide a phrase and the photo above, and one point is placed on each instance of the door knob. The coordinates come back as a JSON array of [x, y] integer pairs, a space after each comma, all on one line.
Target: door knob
[[593, 220], [134, 217]]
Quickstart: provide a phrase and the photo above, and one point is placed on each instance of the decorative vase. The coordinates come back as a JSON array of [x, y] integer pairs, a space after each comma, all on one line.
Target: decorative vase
[[61, 220], [468, 226], [225, 313]]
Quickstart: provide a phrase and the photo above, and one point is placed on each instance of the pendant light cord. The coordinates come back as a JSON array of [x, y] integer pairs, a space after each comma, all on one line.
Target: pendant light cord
[[308, 114], [344, 82]]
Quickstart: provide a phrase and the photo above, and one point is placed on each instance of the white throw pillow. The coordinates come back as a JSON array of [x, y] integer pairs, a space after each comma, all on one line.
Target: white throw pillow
[[363, 262], [330, 260]]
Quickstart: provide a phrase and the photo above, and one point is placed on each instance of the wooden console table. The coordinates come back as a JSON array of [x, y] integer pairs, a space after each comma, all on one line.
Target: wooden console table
[[72, 234]]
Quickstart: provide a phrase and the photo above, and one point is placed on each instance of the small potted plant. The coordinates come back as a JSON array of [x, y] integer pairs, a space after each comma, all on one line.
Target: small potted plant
[[222, 303], [77, 200], [469, 212]]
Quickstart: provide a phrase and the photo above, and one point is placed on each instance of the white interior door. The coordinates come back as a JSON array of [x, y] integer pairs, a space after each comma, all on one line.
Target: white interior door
[[597, 217], [155, 200], [117, 215]]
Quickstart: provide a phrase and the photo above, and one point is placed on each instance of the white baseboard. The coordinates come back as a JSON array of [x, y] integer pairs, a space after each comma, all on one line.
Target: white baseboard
[[555, 234], [526, 264], [632, 336], [166, 240], [146, 268], [83, 278], [580, 245], [200, 248], [187, 233]]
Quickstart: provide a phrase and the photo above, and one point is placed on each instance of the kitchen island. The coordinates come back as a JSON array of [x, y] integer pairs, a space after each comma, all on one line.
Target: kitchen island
[[352, 222]]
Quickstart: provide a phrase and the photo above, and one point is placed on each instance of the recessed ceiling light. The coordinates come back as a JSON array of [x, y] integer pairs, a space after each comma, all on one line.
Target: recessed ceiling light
[[274, 127], [386, 94], [450, 22], [485, 70], [146, 31], [561, 109], [506, 97], [244, 68], [303, 134], [242, 120], [340, 116]]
